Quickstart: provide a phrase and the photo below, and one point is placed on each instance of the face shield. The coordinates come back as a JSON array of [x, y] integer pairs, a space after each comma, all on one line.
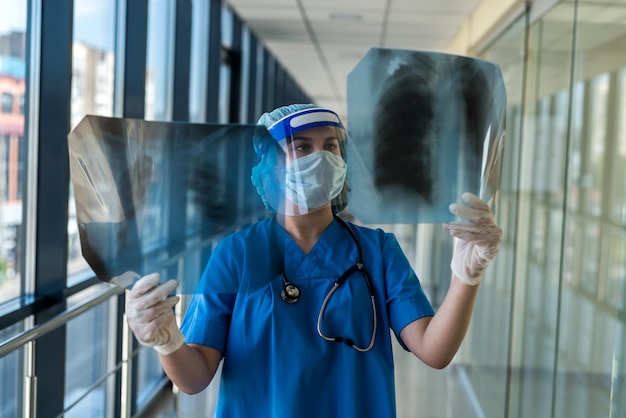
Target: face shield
[[304, 169]]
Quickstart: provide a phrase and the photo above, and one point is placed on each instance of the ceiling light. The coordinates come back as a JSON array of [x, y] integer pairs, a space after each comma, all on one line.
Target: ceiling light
[[345, 16]]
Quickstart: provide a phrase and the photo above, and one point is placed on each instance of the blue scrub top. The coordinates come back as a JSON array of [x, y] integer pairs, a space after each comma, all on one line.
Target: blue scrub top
[[275, 363]]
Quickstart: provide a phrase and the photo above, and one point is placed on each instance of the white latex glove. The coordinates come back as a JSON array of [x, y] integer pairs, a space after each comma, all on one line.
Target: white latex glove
[[150, 315], [478, 240]]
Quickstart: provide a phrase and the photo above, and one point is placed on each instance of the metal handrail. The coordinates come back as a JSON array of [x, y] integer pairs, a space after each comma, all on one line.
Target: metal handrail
[[58, 320], [62, 318]]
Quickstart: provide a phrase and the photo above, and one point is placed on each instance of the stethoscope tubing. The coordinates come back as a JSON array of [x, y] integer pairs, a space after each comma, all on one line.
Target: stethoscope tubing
[[291, 293], [340, 339]]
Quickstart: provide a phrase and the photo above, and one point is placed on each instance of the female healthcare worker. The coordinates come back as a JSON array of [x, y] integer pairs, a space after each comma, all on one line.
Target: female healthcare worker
[[300, 306]]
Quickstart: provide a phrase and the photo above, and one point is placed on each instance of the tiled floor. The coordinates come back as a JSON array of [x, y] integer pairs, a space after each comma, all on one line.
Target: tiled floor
[[422, 392]]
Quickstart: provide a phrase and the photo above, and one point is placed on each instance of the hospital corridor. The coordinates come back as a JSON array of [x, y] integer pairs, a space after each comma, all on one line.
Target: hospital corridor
[[145, 136]]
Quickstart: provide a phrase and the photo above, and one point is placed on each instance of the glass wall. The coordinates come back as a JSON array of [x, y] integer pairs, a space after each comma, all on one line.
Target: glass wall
[[160, 59], [199, 61], [11, 395], [93, 82], [547, 336], [12, 144], [590, 362], [226, 69], [90, 361], [547, 339], [82, 57]]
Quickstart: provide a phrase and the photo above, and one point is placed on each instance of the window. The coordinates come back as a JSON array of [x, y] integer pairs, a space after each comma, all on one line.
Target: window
[[596, 136], [225, 66], [199, 61], [93, 81], [618, 194], [87, 362], [5, 140], [7, 103], [159, 59], [12, 155], [12, 377], [575, 171]]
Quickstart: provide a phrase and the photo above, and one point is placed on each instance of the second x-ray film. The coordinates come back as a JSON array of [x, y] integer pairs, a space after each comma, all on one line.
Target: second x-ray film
[[142, 189], [426, 127]]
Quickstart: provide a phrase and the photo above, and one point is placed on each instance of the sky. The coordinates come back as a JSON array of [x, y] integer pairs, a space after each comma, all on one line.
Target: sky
[[13, 16], [94, 23], [93, 20]]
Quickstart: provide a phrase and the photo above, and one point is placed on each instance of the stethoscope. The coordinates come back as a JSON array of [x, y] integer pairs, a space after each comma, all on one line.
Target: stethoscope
[[291, 293]]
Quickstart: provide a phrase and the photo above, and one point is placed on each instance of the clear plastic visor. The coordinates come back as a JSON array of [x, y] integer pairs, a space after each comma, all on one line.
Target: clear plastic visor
[[310, 172]]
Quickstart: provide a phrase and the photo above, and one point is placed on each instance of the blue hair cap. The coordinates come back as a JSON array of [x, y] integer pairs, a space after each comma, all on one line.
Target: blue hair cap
[[262, 139]]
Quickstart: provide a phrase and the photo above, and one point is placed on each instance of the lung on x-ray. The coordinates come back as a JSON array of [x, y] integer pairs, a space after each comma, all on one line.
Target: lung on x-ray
[[425, 127]]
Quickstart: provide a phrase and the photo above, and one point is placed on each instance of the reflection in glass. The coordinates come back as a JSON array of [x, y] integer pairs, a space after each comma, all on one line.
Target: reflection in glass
[[618, 383], [615, 287], [199, 61], [575, 179], [558, 142], [595, 153], [571, 254], [12, 145], [618, 193], [552, 258], [538, 274], [591, 248], [589, 358], [542, 164], [142, 187], [428, 126], [537, 241]]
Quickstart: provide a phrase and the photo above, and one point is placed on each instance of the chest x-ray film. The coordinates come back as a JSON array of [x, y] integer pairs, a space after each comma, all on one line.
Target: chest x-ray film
[[426, 127], [142, 188]]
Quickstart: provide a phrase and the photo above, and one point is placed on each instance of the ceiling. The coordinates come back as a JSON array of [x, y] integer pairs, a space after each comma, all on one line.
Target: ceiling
[[320, 41]]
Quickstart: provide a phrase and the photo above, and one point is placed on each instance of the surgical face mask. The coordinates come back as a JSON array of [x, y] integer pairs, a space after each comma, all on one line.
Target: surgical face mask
[[314, 180]]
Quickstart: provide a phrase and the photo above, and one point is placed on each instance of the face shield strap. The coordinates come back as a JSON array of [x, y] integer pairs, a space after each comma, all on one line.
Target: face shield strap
[[302, 120]]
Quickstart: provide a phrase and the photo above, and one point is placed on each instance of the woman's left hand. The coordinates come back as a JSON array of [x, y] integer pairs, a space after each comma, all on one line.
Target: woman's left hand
[[478, 240]]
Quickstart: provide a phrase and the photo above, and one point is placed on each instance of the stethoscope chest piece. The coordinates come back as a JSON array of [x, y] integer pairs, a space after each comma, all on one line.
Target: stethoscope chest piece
[[290, 292]]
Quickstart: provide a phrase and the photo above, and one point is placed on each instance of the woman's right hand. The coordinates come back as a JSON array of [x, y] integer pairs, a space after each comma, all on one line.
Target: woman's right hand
[[150, 315]]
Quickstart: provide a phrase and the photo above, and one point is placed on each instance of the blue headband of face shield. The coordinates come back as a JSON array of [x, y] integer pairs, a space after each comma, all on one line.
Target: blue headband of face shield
[[302, 120]]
